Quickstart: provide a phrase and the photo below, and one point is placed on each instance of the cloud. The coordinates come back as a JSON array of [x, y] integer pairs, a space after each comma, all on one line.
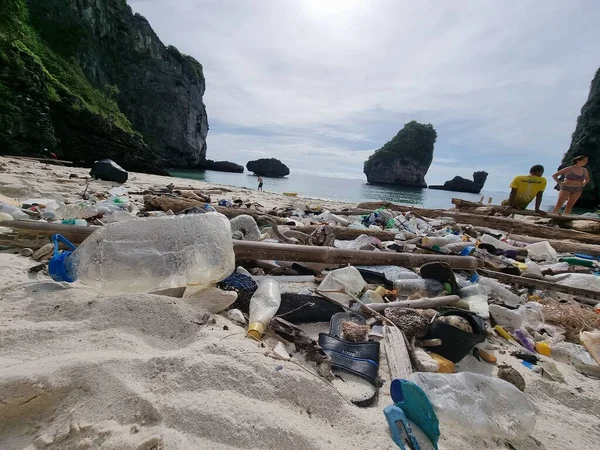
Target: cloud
[[325, 82]]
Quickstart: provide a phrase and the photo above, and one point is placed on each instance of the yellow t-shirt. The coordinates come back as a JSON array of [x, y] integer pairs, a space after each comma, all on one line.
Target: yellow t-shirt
[[527, 187]]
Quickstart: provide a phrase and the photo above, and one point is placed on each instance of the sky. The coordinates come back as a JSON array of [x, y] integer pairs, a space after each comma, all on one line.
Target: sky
[[321, 84]]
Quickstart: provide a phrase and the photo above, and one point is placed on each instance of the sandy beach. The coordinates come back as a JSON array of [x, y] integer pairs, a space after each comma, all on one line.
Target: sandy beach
[[83, 370]]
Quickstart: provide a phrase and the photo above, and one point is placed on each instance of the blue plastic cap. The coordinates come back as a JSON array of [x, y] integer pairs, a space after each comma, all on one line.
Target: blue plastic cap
[[467, 251], [57, 268]]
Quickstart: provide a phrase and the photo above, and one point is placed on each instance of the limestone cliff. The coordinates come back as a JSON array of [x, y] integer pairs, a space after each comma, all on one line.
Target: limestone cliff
[[405, 159], [90, 79], [586, 140]]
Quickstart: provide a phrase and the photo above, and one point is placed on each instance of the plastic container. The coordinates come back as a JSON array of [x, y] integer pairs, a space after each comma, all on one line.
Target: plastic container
[[78, 222], [13, 211], [578, 262], [542, 251], [419, 287], [591, 342], [263, 306], [475, 299], [578, 280], [487, 239], [478, 405], [150, 254], [348, 278], [444, 365]]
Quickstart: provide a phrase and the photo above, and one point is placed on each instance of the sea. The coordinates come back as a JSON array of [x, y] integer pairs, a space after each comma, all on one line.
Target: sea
[[349, 189]]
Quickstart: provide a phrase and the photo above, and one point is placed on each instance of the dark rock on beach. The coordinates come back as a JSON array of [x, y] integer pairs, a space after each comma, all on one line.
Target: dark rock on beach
[[404, 160], [460, 184], [586, 141], [268, 167], [221, 166]]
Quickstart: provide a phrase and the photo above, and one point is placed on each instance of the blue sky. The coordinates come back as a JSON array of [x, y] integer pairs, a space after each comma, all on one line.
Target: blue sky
[[321, 84]]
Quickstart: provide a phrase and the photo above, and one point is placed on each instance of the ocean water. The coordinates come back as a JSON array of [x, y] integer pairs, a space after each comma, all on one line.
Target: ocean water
[[349, 189]]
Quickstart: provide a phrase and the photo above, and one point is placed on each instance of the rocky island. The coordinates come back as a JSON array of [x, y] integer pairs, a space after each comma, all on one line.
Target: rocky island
[[586, 140], [460, 184], [268, 167], [91, 80], [405, 160], [220, 166]]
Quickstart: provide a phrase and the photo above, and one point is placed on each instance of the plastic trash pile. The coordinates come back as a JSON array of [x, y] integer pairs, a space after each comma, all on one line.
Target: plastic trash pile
[[445, 316]]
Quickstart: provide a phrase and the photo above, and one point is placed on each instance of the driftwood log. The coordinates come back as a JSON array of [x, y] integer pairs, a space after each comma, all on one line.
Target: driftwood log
[[179, 204], [422, 303], [583, 295], [247, 250], [500, 223], [562, 245], [348, 234], [396, 353], [303, 343]]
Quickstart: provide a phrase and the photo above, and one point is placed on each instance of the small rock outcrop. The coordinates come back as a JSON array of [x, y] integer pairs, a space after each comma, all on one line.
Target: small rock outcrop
[[460, 184], [221, 166], [404, 160], [586, 141], [268, 167]]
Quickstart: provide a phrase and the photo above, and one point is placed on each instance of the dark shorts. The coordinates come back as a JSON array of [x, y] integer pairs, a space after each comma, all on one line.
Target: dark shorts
[[259, 185], [571, 189]]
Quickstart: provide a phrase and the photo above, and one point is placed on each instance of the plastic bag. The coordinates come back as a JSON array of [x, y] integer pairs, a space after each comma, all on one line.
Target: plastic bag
[[348, 278], [480, 405]]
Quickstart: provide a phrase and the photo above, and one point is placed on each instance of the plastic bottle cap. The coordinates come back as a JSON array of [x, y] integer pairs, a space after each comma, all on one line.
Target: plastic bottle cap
[[448, 288], [57, 268], [256, 330]]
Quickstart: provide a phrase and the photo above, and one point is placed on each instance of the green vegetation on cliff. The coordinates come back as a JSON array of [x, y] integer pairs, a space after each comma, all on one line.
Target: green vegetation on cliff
[[54, 54], [586, 140], [415, 141], [90, 79]]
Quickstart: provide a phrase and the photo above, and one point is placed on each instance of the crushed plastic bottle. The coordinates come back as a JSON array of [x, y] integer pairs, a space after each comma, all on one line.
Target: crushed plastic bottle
[[542, 251], [475, 299], [418, 287], [347, 279], [498, 292], [478, 404], [150, 254], [263, 306]]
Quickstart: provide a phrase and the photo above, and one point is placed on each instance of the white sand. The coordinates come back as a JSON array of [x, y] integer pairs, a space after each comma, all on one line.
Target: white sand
[[82, 370]]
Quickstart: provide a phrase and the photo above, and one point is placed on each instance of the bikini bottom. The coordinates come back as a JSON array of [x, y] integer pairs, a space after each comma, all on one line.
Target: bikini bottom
[[571, 189]]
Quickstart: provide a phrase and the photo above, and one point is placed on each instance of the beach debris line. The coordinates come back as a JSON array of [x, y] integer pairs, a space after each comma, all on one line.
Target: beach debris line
[[435, 291]]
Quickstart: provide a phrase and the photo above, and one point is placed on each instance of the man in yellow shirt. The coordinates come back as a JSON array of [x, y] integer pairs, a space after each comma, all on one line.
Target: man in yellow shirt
[[525, 187]]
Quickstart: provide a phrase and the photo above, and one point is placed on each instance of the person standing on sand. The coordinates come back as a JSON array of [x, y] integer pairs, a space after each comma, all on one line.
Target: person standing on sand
[[260, 183], [575, 179], [525, 187]]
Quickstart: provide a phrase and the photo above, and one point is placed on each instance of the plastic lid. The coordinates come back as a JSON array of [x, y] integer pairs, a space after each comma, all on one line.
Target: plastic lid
[[256, 330], [57, 268]]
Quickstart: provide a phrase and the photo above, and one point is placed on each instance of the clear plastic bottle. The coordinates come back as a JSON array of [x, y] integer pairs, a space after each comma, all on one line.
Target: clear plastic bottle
[[263, 307], [478, 405], [423, 287], [499, 292], [150, 254], [13, 211]]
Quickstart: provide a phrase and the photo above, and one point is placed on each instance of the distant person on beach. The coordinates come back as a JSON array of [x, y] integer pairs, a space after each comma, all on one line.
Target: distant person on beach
[[260, 183], [575, 178], [525, 188]]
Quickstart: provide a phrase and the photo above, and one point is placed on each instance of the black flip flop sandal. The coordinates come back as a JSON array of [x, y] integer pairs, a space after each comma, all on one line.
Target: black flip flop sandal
[[357, 358], [440, 271]]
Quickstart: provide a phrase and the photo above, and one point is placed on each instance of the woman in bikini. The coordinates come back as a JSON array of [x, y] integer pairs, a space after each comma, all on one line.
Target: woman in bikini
[[576, 177]]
